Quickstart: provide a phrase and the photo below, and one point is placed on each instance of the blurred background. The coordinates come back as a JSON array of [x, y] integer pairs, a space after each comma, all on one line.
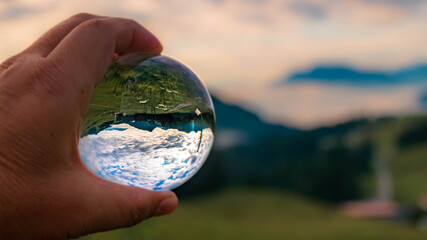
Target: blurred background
[[321, 112]]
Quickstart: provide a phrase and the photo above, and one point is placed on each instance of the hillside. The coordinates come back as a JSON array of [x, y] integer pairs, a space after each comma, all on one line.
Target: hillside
[[345, 156], [259, 214], [233, 117], [304, 174], [402, 144]]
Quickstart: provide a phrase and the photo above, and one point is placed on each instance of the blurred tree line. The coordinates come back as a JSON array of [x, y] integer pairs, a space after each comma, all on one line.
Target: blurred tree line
[[318, 164]]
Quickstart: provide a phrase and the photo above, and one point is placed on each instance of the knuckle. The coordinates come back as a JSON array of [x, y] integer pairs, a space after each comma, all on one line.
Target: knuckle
[[46, 78], [136, 214], [83, 16], [130, 21], [17, 64], [134, 218], [11, 61], [98, 25]]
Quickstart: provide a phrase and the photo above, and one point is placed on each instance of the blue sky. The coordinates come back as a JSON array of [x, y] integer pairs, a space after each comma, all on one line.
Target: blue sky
[[242, 48]]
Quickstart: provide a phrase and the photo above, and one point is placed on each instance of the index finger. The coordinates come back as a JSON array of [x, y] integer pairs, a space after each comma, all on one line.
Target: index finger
[[89, 48]]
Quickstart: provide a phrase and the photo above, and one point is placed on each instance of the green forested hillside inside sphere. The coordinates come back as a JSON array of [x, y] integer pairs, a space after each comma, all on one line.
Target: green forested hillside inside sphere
[[143, 84], [160, 84]]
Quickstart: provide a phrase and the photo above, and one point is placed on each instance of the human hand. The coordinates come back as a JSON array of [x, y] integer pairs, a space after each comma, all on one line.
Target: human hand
[[46, 192]]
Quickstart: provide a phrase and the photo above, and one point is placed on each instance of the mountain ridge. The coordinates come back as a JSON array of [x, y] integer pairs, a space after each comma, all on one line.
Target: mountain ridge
[[348, 75], [230, 116]]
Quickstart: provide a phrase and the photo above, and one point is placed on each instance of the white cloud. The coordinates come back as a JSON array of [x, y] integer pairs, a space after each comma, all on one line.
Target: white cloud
[[159, 159]]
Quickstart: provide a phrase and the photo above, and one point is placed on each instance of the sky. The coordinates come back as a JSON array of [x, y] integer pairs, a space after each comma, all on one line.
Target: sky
[[160, 159], [244, 50]]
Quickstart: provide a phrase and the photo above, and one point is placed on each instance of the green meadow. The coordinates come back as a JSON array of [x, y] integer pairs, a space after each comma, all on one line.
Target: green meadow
[[402, 143], [260, 214], [263, 213]]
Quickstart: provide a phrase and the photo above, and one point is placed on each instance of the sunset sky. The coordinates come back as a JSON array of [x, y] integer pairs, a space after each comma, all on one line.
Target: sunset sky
[[244, 50]]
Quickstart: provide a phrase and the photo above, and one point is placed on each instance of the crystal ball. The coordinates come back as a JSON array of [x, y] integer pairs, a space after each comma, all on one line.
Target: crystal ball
[[150, 123]]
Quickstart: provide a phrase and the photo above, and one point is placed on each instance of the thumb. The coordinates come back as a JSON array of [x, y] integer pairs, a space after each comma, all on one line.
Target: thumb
[[113, 206]]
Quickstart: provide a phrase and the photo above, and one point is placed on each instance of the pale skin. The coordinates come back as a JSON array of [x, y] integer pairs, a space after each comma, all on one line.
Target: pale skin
[[46, 192]]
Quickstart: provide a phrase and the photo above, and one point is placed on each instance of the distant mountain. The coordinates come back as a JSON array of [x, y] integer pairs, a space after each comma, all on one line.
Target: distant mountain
[[234, 118], [334, 164], [413, 73], [250, 152], [351, 76], [423, 100]]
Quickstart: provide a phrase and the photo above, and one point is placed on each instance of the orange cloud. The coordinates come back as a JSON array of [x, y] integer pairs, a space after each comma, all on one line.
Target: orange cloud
[[248, 45], [309, 105]]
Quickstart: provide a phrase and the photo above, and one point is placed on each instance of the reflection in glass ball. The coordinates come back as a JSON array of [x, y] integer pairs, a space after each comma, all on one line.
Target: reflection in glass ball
[[150, 123]]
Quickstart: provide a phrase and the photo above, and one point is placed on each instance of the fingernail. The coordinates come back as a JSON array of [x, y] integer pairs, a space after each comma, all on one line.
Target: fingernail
[[166, 206]]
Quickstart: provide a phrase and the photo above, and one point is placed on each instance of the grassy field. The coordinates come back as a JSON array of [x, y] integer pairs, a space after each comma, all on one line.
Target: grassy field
[[259, 214], [409, 171], [408, 164]]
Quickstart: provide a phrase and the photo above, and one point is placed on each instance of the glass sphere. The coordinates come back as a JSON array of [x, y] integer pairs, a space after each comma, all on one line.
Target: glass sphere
[[150, 123]]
